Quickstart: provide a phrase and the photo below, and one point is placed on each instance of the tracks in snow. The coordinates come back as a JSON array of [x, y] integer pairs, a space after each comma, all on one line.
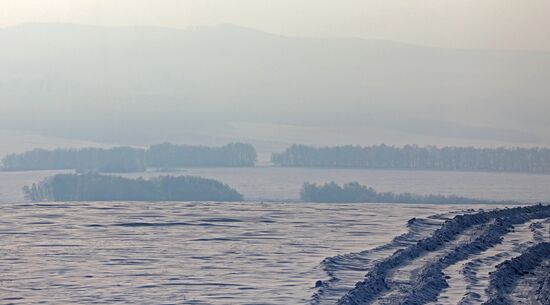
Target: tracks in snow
[[469, 279], [448, 265], [504, 281], [344, 270]]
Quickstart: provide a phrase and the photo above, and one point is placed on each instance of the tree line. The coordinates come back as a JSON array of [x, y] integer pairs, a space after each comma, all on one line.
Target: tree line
[[128, 159], [529, 160], [170, 156], [354, 192], [94, 187]]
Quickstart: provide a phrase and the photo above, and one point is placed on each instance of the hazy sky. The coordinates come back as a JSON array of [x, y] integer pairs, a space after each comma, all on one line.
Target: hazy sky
[[508, 24]]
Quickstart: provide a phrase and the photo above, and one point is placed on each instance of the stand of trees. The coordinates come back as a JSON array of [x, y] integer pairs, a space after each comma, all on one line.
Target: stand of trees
[[528, 160], [354, 192], [127, 159], [231, 155], [93, 187], [118, 159]]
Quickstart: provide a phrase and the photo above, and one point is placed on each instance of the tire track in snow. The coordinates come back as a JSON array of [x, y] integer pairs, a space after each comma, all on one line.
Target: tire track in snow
[[505, 279], [468, 279], [344, 270], [430, 279], [530, 287], [401, 280]]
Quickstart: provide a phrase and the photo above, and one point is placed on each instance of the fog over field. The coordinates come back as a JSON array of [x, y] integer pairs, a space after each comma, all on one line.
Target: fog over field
[[214, 84]]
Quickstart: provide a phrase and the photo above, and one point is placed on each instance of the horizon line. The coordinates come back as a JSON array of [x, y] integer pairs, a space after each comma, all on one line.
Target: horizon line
[[265, 32]]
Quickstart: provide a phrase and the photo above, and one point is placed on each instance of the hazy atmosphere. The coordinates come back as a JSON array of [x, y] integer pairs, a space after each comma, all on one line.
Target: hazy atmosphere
[[495, 24], [281, 152], [276, 73]]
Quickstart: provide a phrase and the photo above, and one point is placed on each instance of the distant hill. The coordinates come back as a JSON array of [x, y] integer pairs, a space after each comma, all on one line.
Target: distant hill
[[84, 81]]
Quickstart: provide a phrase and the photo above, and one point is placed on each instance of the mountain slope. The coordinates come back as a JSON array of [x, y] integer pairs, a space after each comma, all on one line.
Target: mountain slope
[[113, 83]]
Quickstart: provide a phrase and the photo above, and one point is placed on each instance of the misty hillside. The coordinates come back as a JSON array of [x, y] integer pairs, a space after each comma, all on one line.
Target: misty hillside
[[140, 84]]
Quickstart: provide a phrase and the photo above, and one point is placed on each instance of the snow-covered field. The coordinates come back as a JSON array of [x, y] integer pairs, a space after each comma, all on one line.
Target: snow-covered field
[[281, 253], [272, 253]]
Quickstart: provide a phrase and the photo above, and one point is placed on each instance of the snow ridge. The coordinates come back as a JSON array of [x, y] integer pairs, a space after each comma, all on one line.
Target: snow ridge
[[340, 268], [509, 272], [429, 280]]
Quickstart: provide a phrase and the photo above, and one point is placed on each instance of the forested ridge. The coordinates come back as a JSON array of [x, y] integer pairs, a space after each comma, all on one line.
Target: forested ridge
[[529, 160], [128, 159], [94, 187]]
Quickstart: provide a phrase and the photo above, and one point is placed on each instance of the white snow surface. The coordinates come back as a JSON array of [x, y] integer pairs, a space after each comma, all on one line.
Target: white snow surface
[[486, 257]]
